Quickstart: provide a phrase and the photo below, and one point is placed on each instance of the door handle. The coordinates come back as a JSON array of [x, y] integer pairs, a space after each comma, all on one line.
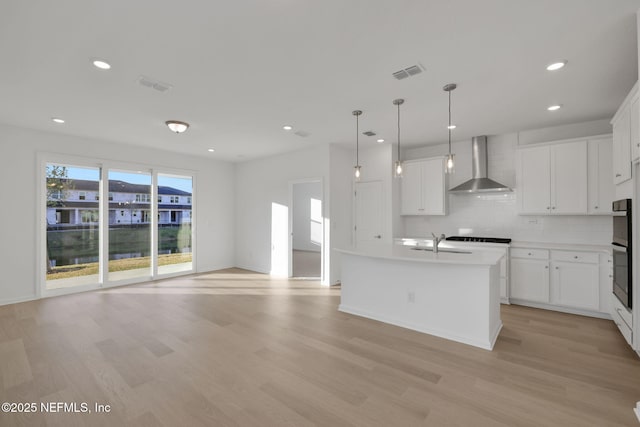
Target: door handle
[[377, 237]]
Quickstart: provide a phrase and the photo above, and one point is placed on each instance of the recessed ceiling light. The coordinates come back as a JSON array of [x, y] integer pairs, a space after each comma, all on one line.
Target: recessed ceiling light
[[287, 127], [451, 127], [380, 141], [177, 126], [556, 65], [554, 107], [103, 65], [211, 150], [57, 120]]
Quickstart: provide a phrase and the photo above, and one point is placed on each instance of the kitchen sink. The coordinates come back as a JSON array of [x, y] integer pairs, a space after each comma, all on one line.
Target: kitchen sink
[[454, 251]]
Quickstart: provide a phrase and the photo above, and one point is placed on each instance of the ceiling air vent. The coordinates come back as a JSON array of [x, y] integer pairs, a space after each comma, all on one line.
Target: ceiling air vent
[[408, 72], [369, 133], [154, 84]]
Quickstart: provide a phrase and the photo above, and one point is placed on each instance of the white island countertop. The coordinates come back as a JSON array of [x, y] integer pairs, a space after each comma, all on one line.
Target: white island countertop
[[480, 256]]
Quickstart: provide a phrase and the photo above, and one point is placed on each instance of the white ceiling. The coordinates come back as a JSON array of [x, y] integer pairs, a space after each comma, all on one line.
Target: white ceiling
[[243, 69]]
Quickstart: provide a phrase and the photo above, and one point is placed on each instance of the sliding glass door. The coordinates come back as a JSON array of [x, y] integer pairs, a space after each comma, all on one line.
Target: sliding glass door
[[72, 219], [175, 216], [107, 225], [129, 225]]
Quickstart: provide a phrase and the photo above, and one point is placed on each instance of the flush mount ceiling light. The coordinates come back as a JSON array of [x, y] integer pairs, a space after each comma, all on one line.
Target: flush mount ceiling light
[[57, 120], [449, 166], [102, 64], [554, 107], [357, 113], [287, 127], [177, 126], [397, 170], [380, 141], [556, 65], [211, 150]]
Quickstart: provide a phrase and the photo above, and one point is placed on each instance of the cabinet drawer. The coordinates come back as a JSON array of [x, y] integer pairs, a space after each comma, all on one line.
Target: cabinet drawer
[[529, 253], [617, 309], [624, 328], [574, 256]]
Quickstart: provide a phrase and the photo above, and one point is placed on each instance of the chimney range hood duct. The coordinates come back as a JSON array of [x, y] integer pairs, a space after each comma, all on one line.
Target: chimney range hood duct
[[479, 183]]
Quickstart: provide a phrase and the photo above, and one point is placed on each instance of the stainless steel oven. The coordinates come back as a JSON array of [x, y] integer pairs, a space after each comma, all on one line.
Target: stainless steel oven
[[622, 251]]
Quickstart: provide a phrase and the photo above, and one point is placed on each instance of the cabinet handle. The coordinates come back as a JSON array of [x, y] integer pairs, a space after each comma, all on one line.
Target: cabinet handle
[[548, 207], [618, 175], [556, 268], [595, 207], [420, 209], [529, 254], [553, 207], [546, 266], [377, 237], [575, 256], [610, 276]]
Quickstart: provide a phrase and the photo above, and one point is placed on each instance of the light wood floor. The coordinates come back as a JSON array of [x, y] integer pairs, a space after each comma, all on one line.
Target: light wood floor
[[235, 348]]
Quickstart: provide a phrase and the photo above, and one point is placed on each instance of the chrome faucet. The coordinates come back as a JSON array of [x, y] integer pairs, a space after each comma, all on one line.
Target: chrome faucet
[[436, 241]]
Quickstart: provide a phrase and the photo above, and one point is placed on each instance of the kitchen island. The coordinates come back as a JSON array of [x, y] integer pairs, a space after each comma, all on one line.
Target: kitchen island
[[451, 294]]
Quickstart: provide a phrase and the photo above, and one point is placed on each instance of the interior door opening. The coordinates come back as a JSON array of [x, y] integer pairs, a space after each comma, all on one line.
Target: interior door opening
[[307, 230]]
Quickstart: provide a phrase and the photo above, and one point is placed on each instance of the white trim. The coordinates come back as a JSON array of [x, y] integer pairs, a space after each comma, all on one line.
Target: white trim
[[543, 306], [564, 141]]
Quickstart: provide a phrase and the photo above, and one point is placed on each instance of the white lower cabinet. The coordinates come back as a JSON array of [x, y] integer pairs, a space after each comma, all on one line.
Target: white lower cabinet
[[575, 284], [529, 279], [574, 281]]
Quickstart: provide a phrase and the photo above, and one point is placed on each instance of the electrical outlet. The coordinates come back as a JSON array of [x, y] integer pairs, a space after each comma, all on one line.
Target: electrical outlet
[[411, 297]]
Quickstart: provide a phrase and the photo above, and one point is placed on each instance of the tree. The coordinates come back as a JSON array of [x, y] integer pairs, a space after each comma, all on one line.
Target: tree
[[58, 186]]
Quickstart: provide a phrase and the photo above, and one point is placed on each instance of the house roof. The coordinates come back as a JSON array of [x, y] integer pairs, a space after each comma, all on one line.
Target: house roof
[[117, 186]]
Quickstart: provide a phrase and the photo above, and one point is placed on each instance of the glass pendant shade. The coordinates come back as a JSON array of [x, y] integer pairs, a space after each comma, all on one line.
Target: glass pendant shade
[[449, 164], [397, 169], [356, 173]]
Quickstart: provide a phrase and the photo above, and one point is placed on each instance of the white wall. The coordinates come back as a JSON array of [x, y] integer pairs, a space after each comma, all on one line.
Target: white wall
[[264, 182], [341, 161], [214, 200], [496, 214], [303, 193]]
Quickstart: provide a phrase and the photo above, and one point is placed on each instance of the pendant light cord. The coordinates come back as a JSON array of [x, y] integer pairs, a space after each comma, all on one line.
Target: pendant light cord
[[449, 127], [357, 139], [398, 131]]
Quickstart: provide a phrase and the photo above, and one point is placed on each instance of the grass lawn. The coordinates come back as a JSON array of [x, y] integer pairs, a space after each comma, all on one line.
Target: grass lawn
[[77, 270]]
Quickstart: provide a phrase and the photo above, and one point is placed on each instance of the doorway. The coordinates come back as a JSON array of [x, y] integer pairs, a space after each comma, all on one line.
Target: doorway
[[307, 229]]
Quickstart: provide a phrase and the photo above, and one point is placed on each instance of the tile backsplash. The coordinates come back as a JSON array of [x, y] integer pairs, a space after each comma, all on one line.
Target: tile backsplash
[[495, 215]]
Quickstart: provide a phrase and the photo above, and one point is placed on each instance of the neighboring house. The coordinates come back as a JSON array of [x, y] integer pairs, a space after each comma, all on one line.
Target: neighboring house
[[129, 204]]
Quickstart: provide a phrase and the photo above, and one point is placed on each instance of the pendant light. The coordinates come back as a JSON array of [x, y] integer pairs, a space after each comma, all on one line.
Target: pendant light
[[449, 166], [357, 113], [397, 170]]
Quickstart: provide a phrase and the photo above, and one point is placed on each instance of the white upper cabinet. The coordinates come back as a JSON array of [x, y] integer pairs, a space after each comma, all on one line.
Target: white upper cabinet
[[423, 187], [601, 187], [569, 178], [534, 180], [552, 179], [625, 136]]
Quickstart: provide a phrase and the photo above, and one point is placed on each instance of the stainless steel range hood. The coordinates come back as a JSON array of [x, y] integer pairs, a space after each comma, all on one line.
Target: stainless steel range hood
[[479, 183]]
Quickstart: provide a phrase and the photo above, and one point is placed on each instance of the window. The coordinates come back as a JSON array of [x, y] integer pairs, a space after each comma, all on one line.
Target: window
[[72, 234], [174, 226], [75, 232]]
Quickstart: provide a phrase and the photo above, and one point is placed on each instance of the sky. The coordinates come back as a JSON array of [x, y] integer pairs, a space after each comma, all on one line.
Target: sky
[[93, 174]]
